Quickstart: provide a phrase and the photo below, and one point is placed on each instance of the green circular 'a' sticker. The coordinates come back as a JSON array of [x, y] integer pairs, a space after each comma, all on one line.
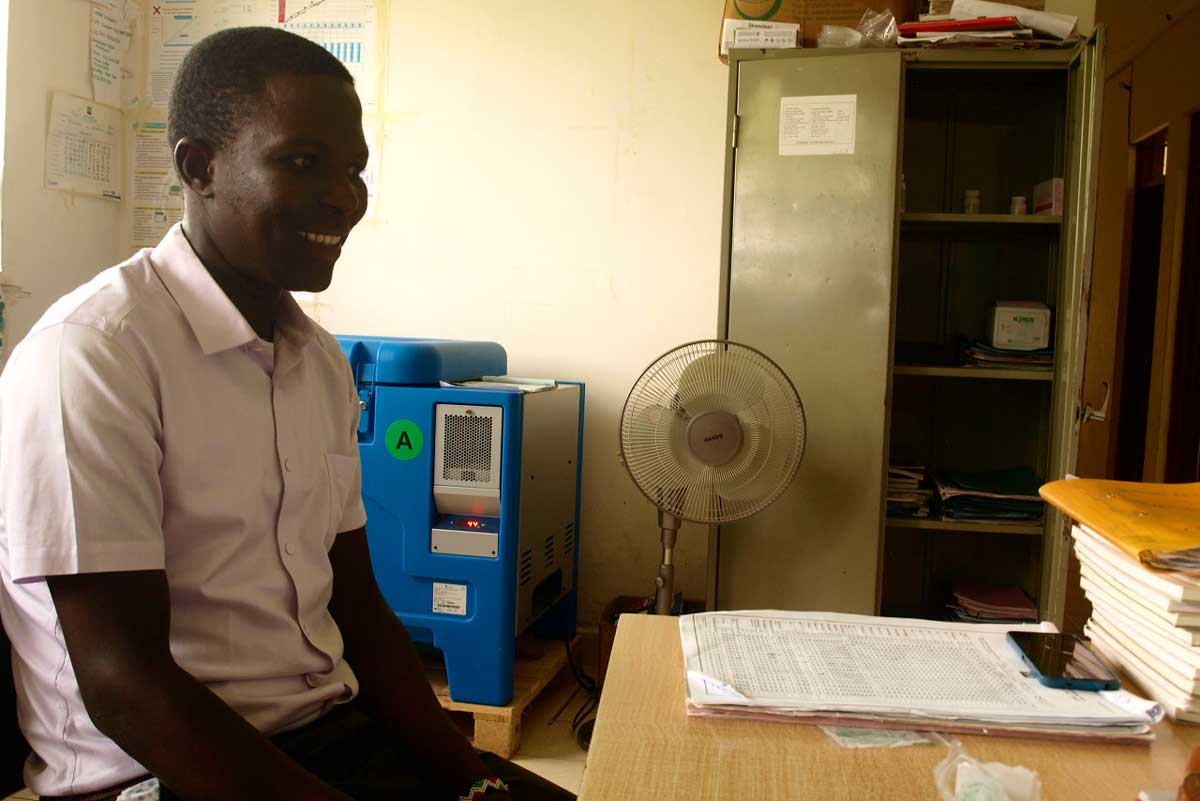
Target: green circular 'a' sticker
[[404, 440]]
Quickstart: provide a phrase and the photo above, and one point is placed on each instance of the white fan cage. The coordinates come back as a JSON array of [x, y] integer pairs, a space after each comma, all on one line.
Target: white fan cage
[[712, 376]]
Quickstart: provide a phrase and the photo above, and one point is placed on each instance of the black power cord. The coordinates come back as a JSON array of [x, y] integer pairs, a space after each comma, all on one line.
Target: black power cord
[[584, 720], [582, 723]]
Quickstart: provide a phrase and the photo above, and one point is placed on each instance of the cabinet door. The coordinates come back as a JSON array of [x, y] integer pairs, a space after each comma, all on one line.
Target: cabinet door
[[811, 244], [1085, 87]]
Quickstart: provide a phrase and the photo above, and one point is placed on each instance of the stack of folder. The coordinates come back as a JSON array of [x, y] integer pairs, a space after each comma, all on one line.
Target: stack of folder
[[1145, 620], [990, 496], [906, 497], [974, 604], [976, 353]]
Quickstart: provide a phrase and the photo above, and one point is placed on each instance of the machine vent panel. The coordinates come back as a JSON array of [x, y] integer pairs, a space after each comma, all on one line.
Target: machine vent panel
[[526, 572], [548, 551], [569, 540], [468, 448]]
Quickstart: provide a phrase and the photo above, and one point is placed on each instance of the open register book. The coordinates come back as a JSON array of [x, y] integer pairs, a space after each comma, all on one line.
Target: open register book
[[825, 667]]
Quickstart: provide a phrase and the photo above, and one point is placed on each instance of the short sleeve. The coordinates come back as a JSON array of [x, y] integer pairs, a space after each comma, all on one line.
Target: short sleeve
[[80, 453], [354, 514]]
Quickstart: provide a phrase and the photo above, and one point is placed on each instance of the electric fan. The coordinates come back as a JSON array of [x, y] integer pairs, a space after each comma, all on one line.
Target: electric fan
[[712, 431]]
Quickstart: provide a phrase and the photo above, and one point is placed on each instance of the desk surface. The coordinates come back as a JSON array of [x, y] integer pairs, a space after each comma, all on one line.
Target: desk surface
[[646, 748]]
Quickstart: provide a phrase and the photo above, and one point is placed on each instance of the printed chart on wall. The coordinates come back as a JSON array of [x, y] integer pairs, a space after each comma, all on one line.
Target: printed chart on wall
[[349, 29], [83, 147], [156, 194], [110, 41]]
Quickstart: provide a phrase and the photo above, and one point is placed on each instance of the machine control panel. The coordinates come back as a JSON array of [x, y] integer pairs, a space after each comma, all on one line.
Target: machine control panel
[[466, 535]]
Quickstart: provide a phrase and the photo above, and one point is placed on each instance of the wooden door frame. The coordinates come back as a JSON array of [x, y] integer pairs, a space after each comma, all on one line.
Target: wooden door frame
[[1144, 94], [1141, 99]]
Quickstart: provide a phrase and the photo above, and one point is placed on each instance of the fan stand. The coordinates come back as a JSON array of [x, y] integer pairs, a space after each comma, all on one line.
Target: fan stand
[[665, 582]]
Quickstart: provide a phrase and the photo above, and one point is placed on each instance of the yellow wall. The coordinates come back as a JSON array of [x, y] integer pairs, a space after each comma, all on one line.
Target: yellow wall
[[1084, 9], [52, 241], [552, 178]]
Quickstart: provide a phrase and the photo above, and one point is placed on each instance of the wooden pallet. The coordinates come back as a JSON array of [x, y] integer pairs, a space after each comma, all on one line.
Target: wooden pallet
[[498, 728]]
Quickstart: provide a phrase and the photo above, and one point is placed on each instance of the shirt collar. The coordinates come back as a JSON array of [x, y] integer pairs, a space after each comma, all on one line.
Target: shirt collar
[[215, 321]]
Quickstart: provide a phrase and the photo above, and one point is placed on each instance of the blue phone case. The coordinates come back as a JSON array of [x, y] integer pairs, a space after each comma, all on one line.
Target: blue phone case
[[1063, 683]]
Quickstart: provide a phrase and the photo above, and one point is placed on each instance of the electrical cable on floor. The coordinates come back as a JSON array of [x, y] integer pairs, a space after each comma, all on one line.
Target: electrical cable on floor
[[581, 724]]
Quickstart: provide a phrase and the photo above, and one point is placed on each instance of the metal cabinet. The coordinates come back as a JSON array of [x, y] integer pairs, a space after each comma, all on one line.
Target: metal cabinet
[[825, 274]]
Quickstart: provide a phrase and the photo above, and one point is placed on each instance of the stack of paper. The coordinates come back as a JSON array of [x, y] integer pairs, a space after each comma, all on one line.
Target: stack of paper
[[506, 382], [975, 23], [975, 604], [979, 354], [906, 497], [855, 670], [994, 495], [1144, 620]]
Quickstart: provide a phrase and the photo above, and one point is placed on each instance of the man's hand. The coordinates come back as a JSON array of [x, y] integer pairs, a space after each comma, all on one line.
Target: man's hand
[[116, 627], [392, 681]]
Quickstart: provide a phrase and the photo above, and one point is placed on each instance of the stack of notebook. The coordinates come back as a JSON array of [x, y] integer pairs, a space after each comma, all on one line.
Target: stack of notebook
[[906, 497], [976, 604], [990, 496], [1131, 538], [1146, 621]]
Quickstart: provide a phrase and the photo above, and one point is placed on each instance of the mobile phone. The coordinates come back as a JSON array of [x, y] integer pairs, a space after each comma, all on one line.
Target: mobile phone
[[1063, 661]]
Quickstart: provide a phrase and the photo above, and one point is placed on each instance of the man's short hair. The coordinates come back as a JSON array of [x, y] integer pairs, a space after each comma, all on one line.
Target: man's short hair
[[224, 75]]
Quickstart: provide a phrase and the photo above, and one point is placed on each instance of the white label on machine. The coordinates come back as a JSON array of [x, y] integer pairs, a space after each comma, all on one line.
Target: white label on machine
[[818, 125], [450, 599]]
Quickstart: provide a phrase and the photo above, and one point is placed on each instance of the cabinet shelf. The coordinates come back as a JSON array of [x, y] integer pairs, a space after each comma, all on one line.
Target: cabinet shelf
[[966, 526], [981, 219], [996, 373]]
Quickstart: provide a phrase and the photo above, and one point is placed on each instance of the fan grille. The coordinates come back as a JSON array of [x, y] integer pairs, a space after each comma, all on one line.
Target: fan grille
[[712, 376]]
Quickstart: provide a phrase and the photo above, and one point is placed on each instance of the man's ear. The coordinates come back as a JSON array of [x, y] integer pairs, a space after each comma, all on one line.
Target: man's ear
[[194, 163]]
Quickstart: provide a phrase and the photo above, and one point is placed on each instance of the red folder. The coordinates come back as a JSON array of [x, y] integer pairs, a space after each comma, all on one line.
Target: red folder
[[956, 25]]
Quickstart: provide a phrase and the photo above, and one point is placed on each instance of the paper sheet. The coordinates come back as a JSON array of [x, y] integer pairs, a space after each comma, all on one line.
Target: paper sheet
[[374, 136], [349, 29], [173, 30], [1061, 26], [157, 195], [110, 42], [919, 669], [83, 149], [817, 125]]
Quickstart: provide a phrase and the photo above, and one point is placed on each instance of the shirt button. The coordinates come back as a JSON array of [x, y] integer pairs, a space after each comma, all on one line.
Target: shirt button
[[290, 548], [287, 465]]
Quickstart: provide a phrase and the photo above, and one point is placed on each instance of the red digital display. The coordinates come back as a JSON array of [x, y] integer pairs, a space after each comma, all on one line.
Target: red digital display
[[472, 523]]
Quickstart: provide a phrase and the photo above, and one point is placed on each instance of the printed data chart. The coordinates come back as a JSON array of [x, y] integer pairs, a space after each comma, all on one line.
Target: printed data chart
[[349, 29], [343, 39]]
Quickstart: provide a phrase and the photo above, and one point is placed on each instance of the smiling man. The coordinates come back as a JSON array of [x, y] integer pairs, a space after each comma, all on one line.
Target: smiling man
[[185, 573]]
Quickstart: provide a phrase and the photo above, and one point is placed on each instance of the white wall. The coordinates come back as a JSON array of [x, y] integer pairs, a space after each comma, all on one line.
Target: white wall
[[552, 181], [50, 242]]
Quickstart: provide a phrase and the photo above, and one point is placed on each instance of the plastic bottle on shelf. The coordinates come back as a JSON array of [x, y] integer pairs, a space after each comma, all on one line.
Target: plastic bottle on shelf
[[1018, 205], [971, 201]]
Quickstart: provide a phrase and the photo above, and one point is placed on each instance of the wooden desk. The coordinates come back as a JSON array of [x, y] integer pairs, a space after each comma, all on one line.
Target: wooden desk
[[646, 748]]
